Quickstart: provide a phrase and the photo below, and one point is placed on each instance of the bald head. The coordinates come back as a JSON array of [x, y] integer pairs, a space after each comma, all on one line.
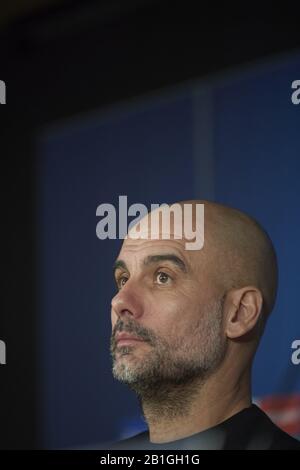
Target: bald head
[[237, 251], [240, 251]]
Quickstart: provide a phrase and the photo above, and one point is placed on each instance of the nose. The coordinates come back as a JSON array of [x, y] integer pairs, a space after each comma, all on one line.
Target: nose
[[127, 302]]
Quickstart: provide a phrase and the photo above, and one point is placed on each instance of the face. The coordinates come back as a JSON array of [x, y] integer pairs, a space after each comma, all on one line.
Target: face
[[166, 316]]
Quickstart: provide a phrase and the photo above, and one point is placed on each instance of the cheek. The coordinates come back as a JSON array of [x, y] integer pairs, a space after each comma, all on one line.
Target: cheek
[[173, 315]]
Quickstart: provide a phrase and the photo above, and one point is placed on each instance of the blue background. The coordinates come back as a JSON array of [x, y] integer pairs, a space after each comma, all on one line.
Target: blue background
[[231, 138]]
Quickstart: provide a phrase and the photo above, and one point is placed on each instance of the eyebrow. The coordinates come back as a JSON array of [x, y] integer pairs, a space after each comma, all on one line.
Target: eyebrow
[[119, 264], [153, 259]]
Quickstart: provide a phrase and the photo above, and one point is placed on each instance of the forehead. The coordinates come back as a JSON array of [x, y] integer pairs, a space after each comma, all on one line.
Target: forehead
[[162, 231], [140, 245], [137, 251]]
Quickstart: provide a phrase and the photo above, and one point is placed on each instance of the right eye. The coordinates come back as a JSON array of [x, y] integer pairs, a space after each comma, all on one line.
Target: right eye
[[121, 281]]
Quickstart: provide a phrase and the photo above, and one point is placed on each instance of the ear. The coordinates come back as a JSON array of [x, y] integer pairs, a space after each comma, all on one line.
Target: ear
[[244, 309]]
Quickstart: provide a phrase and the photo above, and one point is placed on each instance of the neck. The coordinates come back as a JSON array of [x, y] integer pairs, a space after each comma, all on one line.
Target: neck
[[180, 411]]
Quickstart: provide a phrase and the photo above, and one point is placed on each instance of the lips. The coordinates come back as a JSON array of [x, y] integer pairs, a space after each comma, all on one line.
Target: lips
[[127, 337]]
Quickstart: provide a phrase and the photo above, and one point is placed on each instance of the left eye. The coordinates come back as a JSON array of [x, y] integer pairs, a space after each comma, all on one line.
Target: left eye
[[162, 278]]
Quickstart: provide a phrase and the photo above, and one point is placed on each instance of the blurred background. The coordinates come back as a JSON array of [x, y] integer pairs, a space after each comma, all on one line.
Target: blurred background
[[157, 101]]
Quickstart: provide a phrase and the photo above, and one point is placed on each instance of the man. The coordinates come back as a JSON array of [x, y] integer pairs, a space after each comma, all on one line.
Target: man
[[185, 328]]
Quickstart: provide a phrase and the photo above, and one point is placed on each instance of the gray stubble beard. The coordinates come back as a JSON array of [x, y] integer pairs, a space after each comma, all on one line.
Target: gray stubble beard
[[167, 378]]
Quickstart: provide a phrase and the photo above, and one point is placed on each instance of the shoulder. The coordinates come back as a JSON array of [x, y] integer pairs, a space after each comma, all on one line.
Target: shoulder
[[270, 436]]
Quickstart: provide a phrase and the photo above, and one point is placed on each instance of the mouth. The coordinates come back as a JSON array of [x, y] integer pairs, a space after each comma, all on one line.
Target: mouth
[[123, 340]]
